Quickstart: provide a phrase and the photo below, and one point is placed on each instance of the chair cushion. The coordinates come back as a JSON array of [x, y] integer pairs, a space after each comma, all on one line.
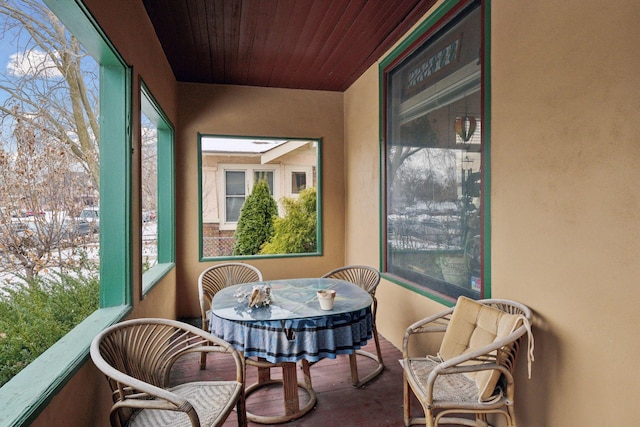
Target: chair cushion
[[474, 325]]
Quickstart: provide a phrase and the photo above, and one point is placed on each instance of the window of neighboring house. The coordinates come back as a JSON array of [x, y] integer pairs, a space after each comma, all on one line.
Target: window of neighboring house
[[56, 365], [298, 182], [235, 194], [157, 173], [230, 166], [434, 161], [264, 175], [238, 182]]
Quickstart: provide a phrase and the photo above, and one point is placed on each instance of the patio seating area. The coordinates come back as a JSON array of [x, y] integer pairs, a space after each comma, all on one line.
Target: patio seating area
[[377, 404]]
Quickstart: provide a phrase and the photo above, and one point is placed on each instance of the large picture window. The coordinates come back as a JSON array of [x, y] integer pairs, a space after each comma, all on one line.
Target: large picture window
[[433, 158], [108, 164], [231, 167]]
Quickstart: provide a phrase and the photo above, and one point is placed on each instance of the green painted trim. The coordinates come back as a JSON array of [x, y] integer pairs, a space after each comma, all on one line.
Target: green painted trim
[[166, 196], [201, 256], [154, 275], [29, 392], [319, 216], [115, 191], [420, 290], [79, 21], [404, 49], [486, 128], [430, 21], [166, 187], [319, 222]]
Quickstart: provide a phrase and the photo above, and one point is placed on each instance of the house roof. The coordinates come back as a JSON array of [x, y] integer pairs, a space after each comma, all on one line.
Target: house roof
[[299, 44]]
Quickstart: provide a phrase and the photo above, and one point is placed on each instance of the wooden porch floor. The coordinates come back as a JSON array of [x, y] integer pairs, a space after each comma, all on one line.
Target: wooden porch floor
[[377, 404]]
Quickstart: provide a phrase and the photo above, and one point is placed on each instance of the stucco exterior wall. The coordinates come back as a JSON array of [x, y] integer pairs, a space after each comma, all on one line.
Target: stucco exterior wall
[[564, 202], [253, 111]]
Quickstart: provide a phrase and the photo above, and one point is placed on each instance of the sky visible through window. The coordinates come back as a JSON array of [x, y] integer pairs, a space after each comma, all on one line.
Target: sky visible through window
[[49, 143]]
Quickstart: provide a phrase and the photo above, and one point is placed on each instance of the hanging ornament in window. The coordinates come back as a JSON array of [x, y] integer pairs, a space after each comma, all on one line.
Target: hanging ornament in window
[[465, 127]]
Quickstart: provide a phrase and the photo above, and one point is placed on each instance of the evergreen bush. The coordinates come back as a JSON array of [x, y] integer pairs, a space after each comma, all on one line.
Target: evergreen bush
[[296, 232], [255, 225], [37, 312]]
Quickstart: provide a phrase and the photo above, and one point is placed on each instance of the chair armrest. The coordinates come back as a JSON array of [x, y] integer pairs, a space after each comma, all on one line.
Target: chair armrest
[[217, 345], [483, 358], [435, 323], [162, 398]]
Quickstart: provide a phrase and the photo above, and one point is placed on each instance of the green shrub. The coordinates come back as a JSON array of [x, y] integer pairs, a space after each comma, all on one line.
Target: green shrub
[[296, 231], [255, 225], [37, 312]]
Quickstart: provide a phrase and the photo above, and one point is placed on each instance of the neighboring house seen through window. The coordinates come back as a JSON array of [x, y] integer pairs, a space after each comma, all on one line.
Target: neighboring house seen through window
[[231, 166]]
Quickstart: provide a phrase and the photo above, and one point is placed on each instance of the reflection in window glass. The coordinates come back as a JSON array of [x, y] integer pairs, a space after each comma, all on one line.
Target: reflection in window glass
[[266, 176], [434, 162], [298, 182]]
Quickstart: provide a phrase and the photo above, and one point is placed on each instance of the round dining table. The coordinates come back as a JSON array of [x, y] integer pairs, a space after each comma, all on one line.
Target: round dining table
[[291, 328]]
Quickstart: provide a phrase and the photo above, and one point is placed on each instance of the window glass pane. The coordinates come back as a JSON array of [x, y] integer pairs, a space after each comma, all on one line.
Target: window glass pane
[[235, 183], [149, 190], [49, 181], [230, 168], [434, 162], [157, 190], [235, 186], [264, 175], [234, 205], [298, 182]]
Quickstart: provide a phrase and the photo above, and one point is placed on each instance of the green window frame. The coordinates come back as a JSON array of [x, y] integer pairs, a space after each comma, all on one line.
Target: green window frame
[[414, 119], [251, 172], [166, 186], [28, 393]]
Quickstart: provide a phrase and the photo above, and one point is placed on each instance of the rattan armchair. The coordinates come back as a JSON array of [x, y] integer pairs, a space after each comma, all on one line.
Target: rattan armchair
[[472, 374], [218, 277], [368, 279], [137, 356]]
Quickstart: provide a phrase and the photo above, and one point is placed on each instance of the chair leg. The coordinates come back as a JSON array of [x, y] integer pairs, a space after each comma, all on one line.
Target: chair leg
[[203, 355], [353, 363], [377, 341], [355, 379], [406, 392], [241, 410], [203, 361]]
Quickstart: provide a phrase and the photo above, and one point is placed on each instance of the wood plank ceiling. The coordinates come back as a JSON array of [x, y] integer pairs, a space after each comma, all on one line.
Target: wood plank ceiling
[[299, 44]]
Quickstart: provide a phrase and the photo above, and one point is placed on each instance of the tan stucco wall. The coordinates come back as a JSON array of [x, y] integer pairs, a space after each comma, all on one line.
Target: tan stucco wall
[[565, 203], [253, 111]]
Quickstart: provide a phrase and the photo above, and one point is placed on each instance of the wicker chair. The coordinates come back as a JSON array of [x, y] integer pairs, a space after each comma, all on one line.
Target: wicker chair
[[217, 277], [472, 375], [368, 279], [137, 357]]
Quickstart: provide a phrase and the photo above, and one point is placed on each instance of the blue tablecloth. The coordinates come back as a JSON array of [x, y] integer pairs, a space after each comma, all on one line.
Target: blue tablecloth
[[312, 337]]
